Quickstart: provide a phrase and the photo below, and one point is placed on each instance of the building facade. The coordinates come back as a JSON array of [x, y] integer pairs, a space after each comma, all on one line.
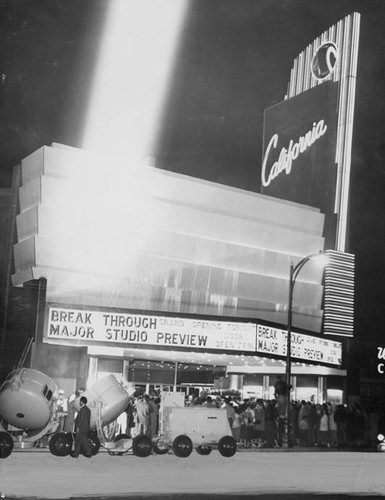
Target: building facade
[[184, 283]]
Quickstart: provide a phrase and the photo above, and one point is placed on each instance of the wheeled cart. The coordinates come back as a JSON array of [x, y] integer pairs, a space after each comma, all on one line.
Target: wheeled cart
[[204, 429]]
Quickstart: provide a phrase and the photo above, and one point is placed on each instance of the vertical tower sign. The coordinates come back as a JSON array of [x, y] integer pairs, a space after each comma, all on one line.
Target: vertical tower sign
[[308, 137]]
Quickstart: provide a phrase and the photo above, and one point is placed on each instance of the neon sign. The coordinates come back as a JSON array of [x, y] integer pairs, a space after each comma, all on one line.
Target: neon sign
[[291, 153], [381, 355], [324, 61]]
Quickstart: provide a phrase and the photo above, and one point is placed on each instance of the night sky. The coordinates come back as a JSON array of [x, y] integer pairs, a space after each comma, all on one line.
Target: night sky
[[234, 61]]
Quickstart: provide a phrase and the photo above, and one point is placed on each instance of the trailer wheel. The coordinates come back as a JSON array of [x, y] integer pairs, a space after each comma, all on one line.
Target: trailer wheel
[[94, 442], [227, 446], [60, 444], [6, 444], [203, 450], [182, 446], [141, 446]]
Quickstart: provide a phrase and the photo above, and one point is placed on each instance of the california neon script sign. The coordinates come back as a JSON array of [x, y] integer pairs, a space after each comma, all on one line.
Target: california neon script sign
[[291, 153]]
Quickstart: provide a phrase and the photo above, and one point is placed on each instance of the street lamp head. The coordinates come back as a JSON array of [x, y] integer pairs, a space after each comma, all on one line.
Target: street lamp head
[[321, 258]]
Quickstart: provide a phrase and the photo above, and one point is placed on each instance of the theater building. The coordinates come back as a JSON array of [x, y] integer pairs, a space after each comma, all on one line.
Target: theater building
[[181, 283], [194, 292]]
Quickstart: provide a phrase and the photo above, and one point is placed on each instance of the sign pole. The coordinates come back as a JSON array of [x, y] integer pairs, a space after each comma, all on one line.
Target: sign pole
[[285, 437]]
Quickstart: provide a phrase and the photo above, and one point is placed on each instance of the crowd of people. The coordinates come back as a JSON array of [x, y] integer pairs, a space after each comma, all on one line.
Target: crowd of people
[[142, 416], [259, 423]]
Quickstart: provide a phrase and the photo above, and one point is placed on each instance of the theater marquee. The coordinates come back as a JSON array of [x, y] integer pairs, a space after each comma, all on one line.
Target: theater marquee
[[274, 341], [82, 327], [75, 326]]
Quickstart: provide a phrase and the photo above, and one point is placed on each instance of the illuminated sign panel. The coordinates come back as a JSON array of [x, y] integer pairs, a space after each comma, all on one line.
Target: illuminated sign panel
[[299, 148], [333, 57], [73, 325], [274, 341], [339, 294], [80, 327], [324, 61]]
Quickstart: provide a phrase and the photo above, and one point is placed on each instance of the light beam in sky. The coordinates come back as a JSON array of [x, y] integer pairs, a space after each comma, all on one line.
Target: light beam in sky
[[132, 77], [110, 214]]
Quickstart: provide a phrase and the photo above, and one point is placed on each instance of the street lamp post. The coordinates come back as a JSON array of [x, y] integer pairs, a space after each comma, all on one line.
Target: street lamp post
[[294, 271]]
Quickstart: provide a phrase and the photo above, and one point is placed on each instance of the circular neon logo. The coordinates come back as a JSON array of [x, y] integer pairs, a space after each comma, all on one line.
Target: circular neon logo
[[324, 61]]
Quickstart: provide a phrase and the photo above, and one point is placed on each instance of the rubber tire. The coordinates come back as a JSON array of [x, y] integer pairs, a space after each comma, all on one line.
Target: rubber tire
[[227, 446], [182, 446], [6, 444], [121, 436], [94, 442], [204, 450], [141, 446], [60, 444]]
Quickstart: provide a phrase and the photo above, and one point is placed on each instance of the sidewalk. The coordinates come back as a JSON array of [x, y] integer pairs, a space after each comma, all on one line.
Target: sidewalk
[[37, 474], [307, 449]]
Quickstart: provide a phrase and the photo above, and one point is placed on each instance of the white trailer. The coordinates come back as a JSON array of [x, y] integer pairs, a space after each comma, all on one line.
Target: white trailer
[[183, 429]]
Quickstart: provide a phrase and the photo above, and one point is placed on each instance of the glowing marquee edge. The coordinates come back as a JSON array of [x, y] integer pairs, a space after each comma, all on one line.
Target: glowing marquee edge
[[73, 325], [273, 341]]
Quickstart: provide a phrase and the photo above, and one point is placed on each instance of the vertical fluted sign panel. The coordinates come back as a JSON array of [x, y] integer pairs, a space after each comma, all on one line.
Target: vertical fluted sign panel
[[339, 294], [339, 44]]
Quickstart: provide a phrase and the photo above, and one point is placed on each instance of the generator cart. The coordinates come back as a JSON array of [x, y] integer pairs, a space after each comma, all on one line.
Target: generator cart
[[184, 428]]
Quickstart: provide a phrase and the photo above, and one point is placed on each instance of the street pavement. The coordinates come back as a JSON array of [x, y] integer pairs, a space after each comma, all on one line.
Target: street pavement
[[293, 474]]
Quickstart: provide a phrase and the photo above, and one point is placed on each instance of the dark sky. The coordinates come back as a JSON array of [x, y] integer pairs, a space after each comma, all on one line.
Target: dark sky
[[233, 62]]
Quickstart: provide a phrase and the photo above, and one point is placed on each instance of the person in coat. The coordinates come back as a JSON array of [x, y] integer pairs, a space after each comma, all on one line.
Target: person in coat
[[143, 411], [82, 428], [70, 420], [154, 417]]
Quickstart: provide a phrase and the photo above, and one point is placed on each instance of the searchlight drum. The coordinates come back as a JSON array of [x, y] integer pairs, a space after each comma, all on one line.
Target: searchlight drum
[[27, 398], [27, 401], [107, 399]]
